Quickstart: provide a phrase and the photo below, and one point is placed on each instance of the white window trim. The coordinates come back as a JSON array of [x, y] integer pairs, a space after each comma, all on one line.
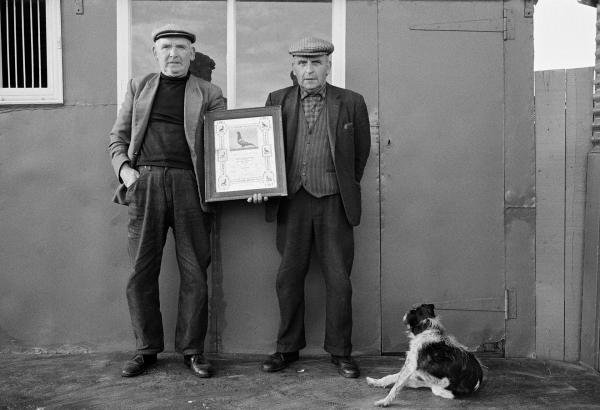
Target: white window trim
[[231, 59], [338, 38], [123, 48], [338, 58], [53, 94]]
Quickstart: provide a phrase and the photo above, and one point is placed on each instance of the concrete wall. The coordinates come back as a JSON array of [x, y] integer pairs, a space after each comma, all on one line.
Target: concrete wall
[[63, 261]]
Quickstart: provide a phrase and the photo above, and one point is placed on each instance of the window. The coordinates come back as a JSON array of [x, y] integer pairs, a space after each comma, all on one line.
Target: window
[[206, 18], [265, 30], [30, 58], [244, 41]]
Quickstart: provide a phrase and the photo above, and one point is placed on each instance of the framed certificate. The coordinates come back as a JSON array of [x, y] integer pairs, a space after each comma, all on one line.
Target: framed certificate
[[244, 153]]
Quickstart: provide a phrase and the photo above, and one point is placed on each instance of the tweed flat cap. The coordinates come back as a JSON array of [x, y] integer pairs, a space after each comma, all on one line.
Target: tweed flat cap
[[311, 46], [173, 30]]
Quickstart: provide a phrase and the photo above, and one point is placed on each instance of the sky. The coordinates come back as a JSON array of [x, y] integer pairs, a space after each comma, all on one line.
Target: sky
[[564, 33]]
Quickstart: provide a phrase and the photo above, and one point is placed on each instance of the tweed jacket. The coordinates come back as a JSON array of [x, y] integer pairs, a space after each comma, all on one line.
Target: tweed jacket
[[127, 134], [349, 136]]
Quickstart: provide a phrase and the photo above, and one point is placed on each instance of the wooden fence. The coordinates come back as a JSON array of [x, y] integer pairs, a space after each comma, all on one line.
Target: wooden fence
[[563, 102]]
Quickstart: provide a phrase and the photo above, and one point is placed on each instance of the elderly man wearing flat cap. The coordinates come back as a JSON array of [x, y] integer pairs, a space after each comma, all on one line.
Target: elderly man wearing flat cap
[[157, 151], [327, 142]]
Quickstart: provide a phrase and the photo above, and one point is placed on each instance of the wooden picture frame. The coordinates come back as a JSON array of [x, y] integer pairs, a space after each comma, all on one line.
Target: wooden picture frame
[[244, 155]]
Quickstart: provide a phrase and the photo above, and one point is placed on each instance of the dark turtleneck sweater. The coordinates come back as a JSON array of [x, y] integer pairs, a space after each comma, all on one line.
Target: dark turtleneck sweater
[[165, 143]]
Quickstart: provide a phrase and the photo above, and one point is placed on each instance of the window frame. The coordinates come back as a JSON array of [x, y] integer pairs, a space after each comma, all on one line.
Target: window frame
[[338, 36], [53, 93]]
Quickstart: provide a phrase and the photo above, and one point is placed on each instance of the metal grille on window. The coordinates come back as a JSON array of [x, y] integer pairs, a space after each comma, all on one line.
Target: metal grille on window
[[23, 44]]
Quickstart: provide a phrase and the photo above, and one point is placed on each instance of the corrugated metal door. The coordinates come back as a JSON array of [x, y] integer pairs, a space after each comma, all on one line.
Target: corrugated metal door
[[442, 171]]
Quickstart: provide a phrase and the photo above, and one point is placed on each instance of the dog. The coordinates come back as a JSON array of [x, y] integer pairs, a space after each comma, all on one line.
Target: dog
[[435, 360]]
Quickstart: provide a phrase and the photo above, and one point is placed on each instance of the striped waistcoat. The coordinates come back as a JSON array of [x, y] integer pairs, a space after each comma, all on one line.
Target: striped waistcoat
[[312, 164]]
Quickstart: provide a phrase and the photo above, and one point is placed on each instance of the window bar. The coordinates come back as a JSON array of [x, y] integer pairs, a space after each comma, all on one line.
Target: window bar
[[14, 32], [7, 50], [31, 44], [39, 44], [24, 68]]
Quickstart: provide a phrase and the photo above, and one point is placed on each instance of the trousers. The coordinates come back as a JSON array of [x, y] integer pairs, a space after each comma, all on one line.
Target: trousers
[[162, 199], [304, 222]]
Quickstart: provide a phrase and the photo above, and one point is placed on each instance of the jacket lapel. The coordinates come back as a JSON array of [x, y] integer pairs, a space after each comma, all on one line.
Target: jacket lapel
[[142, 108], [290, 104], [333, 102], [192, 106]]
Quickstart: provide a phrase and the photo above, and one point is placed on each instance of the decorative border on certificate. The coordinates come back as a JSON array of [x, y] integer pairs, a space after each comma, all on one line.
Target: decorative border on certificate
[[244, 154]]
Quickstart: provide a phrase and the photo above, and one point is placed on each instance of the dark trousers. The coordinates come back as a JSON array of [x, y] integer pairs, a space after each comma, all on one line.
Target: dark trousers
[[305, 221], [160, 199]]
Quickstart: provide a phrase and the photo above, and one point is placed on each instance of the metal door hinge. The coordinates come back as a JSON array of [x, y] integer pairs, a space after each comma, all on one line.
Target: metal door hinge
[[505, 25], [509, 25], [78, 5]]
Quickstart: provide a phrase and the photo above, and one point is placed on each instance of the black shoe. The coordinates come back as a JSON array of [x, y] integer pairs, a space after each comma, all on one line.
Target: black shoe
[[346, 366], [199, 365], [279, 361], [137, 364]]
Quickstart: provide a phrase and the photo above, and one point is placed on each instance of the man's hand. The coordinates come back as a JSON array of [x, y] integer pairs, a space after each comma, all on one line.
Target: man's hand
[[257, 199], [128, 175]]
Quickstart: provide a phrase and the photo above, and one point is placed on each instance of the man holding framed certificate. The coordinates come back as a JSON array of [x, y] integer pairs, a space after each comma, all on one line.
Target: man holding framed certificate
[[327, 142]]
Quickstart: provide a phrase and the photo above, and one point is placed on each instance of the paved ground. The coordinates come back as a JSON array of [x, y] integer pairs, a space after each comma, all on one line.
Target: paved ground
[[92, 381]]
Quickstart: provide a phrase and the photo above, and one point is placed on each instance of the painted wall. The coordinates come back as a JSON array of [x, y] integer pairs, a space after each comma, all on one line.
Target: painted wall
[[61, 249], [248, 313], [63, 243], [63, 254]]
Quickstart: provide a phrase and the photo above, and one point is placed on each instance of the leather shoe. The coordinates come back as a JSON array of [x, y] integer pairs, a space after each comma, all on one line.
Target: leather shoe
[[199, 365], [137, 364], [346, 366], [279, 361]]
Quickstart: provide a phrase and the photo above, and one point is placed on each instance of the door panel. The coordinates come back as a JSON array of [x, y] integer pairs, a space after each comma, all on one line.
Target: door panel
[[442, 183]]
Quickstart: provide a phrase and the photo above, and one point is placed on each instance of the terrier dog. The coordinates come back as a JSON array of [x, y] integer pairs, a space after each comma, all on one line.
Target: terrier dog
[[435, 360]]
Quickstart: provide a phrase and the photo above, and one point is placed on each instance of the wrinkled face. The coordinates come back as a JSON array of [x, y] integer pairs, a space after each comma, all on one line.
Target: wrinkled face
[[311, 71], [414, 318], [174, 55]]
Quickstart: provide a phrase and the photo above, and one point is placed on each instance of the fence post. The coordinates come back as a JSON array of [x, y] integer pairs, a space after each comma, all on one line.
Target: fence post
[[590, 315]]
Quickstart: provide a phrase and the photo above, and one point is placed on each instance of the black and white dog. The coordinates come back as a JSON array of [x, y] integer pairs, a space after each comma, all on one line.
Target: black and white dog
[[435, 360]]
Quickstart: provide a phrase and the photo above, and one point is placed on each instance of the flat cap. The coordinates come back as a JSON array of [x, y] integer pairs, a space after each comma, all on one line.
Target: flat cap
[[173, 30], [311, 46]]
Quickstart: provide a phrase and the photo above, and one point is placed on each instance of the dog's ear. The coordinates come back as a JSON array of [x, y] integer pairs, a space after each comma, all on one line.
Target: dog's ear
[[430, 309], [420, 326]]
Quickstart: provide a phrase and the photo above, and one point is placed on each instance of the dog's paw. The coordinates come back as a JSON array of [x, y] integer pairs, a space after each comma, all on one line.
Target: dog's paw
[[373, 382], [438, 391], [444, 382], [382, 403]]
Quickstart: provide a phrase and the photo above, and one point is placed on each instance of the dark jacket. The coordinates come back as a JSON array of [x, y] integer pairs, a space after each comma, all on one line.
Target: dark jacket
[[349, 139]]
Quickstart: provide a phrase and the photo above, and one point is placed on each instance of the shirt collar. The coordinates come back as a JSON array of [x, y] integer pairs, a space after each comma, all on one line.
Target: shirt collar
[[321, 91], [175, 79]]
